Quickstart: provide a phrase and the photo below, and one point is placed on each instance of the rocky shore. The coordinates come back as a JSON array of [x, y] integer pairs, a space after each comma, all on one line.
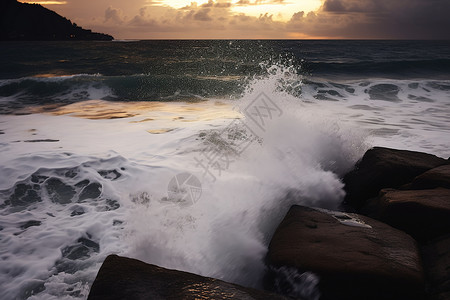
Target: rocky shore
[[392, 241]]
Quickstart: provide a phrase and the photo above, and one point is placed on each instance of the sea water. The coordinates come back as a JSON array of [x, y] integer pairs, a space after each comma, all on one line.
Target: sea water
[[97, 139]]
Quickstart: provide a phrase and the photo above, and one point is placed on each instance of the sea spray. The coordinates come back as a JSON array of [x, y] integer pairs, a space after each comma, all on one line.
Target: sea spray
[[52, 249], [296, 159], [291, 282]]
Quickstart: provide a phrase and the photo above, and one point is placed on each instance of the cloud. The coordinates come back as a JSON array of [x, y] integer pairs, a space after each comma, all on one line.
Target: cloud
[[404, 19], [202, 15], [211, 3], [114, 15], [366, 19], [258, 2], [346, 6]]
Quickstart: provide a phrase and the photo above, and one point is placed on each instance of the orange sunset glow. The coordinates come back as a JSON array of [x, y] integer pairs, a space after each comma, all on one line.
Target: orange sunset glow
[[259, 19]]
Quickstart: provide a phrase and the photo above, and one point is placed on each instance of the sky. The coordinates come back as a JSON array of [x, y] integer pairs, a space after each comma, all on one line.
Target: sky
[[259, 19]]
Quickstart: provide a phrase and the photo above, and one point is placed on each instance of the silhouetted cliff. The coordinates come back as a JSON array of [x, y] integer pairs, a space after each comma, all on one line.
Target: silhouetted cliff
[[22, 21]]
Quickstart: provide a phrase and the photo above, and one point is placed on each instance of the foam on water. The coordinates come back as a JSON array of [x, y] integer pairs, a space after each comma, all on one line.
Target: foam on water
[[75, 189]]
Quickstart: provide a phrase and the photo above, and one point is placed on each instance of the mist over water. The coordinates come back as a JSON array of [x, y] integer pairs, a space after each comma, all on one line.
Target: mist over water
[[85, 172]]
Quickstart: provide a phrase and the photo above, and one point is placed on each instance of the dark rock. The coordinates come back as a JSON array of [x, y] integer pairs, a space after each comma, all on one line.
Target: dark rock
[[355, 257], [436, 263], [437, 177], [385, 168], [58, 191], [424, 214], [126, 278]]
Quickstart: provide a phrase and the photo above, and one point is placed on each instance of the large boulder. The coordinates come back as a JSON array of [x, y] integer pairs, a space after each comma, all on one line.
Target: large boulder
[[125, 278], [424, 214], [436, 262], [385, 168], [437, 177], [355, 257]]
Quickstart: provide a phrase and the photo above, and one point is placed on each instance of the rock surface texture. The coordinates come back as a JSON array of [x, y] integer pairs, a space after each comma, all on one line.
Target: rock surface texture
[[126, 278], [419, 205], [386, 168], [424, 214], [355, 257]]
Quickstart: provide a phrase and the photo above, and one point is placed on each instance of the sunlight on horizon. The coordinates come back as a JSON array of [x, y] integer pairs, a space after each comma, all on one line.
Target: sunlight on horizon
[[280, 11], [177, 3]]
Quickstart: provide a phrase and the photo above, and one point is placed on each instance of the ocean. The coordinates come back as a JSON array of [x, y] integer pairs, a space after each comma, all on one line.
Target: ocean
[[188, 154]]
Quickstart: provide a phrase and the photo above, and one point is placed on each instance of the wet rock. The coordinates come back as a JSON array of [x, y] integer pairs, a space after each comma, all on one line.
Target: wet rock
[[385, 168], [424, 214], [58, 191], [355, 257], [436, 262], [437, 177], [91, 191], [126, 278]]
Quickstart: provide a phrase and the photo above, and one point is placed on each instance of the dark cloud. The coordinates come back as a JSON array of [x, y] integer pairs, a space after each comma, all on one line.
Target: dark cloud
[[346, 6], [114, 15], [403, 19], [202, 15]]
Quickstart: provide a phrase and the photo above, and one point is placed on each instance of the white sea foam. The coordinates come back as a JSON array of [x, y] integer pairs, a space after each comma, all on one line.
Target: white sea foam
[[298, 158]]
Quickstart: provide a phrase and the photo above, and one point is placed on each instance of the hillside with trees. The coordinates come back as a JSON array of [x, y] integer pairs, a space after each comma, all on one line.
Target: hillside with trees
[[33, 22]]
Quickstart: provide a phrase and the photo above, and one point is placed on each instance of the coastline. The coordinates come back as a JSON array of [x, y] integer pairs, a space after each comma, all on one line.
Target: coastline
[[400, 261]]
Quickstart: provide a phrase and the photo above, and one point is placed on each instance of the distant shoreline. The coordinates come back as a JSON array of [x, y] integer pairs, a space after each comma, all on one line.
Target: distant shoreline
[[33, 22]]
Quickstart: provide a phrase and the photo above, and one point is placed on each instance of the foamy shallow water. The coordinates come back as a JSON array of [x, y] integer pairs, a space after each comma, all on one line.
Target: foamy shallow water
[[89, 179]]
